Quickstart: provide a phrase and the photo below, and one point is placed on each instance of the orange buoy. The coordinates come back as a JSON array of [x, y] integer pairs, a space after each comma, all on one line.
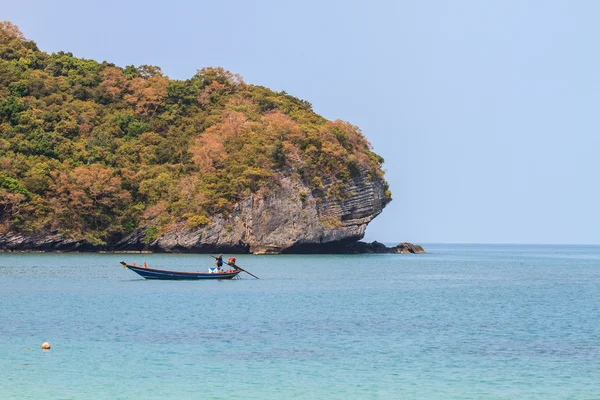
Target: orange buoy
[[45, 346]]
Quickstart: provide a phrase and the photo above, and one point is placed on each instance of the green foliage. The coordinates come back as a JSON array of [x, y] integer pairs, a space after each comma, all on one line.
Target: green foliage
[[183, 93], [303, 195], [11, 108], [150, 234], [331, 222], [278, 154], [97, 151], [194, 222], [14, 186], [18, 89], [130, 126]]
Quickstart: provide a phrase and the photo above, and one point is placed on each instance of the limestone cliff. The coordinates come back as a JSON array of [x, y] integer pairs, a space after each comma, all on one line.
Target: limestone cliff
[[288, 218]]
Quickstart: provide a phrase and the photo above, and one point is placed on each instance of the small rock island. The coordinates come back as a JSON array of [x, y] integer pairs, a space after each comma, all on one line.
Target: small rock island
[[99, 157]]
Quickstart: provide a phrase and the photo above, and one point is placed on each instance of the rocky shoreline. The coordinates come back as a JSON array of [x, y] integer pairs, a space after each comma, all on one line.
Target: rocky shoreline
[[380, 248], [288, 219], [15, 242]]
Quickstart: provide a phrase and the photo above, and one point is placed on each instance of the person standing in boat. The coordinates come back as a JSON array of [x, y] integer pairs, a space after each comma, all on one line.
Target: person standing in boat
[[219, 262]]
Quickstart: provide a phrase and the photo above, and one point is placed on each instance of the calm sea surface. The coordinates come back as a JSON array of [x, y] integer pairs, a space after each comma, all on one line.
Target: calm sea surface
[[461, 322]]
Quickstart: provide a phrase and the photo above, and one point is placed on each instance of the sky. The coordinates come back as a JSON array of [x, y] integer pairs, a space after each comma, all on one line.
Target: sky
[[486, 112]]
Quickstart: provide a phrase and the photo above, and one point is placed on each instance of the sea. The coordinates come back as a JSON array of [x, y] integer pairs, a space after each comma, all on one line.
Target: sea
[[460, 322]]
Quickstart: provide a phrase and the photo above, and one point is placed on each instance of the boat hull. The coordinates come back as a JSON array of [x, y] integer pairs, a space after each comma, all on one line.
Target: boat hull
[[149, 273]]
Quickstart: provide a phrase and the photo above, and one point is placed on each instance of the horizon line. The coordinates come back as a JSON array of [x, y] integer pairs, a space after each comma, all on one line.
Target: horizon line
[[495, 243]]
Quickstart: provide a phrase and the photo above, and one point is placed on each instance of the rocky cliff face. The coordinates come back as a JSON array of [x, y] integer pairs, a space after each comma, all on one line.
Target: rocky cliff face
[[289, 218]]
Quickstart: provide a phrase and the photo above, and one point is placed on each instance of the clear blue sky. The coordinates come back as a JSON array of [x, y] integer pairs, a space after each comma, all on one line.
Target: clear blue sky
[[485, 111]]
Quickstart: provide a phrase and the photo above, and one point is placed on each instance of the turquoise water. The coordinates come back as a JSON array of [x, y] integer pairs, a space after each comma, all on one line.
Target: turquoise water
[[462, 322]]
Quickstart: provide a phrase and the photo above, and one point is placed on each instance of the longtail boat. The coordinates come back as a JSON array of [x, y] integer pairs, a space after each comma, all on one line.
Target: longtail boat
[[150, 273]]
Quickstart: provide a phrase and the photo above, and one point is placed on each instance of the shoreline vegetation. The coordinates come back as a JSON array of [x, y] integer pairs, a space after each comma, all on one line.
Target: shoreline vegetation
[[95, 157]]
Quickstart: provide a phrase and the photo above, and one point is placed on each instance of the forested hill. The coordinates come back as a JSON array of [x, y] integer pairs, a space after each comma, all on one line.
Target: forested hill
[[95, 151]]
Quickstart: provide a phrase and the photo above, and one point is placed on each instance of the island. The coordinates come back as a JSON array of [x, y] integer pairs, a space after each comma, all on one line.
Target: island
[[96, 157]]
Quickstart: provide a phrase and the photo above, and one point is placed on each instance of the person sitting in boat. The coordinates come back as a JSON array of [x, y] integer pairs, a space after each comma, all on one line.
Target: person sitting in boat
[[231, 263]]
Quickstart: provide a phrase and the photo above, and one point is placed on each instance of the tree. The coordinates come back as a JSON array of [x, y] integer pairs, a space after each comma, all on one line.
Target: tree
[[86, 200], [209, 75], [146, 95], [113, 84], [13, 197]]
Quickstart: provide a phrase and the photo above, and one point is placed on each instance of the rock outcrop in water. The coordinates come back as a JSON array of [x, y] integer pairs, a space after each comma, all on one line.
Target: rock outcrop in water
[[380, 248]]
